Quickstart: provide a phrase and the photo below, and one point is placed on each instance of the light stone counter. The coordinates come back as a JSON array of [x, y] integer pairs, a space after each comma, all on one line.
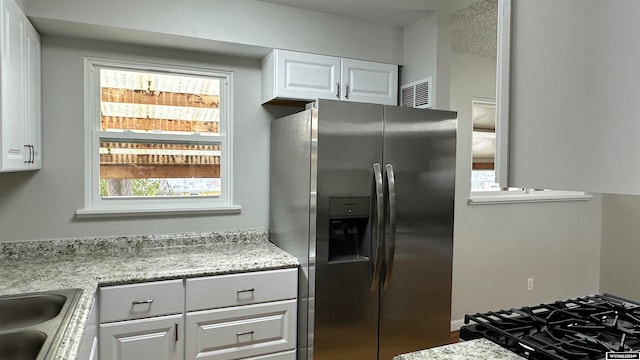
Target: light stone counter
[[87, 263], [479, 349]]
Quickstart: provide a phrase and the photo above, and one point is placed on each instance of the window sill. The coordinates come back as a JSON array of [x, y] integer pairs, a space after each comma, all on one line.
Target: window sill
[[493, 199], [132, 212]]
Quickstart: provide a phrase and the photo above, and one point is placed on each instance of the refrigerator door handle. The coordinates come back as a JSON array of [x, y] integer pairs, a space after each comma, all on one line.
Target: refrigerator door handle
[[377, 227], [391, 244]]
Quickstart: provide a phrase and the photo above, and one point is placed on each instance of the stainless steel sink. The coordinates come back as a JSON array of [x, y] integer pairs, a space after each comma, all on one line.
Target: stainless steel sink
[[29, 310], [32, 325], [21, 345]]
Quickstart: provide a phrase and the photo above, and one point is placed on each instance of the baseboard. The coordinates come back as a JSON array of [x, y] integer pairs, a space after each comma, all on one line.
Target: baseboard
[[456, 324]]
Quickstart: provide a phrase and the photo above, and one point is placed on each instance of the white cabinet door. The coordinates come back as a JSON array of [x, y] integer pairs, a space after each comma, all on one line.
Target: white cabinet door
[[33, 98], [159, 338], [572, 95], [13, 87], [306, 76], [370, 82], [241, 331]]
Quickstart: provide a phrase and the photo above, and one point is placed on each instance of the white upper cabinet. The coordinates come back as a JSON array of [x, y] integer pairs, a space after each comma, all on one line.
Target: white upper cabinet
[[289, 75], [20, 119], [570, 100]]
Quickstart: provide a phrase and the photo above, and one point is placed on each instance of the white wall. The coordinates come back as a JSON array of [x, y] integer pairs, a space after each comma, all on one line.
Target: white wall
[[42, 204], [246, 22], [426, 53], [620, 246], [498, 247]]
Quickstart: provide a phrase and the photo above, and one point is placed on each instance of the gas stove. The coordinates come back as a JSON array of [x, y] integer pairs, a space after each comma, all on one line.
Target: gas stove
[[585, 328]]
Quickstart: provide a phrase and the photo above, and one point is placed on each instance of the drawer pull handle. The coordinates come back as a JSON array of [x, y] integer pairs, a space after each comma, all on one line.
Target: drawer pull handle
[[245, 290], [142, 302], [244, 333]]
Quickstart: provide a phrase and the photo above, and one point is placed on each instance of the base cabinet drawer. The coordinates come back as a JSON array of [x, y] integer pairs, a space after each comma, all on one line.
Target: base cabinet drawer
[[135, 301], [241, 332], [241, 289], [157, 338]]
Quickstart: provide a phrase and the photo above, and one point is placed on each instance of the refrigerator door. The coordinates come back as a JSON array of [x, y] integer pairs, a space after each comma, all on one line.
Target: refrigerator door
[[416, 297], [346, 309]]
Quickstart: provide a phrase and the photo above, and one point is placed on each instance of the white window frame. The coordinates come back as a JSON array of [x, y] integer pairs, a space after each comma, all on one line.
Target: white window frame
[[95, 205]]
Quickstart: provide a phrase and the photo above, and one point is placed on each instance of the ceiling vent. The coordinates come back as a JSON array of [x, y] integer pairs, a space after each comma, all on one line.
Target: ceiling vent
[[417, 94]]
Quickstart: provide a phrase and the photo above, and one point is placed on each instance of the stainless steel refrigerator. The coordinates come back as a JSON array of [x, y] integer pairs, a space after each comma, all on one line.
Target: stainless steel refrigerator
[[363, 195]]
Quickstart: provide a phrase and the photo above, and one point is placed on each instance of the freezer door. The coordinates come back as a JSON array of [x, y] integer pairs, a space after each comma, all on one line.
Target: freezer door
[[416, 299], [345, 318]]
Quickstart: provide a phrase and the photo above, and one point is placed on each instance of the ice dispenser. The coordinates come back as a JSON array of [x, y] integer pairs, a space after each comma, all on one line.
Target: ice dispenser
[[349, 229]]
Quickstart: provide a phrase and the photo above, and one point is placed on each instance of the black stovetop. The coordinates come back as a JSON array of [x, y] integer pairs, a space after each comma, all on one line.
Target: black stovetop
[[584, 328]]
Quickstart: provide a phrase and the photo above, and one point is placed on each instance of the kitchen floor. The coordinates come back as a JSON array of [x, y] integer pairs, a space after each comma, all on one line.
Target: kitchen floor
[[454, 336]]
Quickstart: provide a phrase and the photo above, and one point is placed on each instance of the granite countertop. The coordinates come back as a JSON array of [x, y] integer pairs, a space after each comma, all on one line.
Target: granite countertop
[[479, 349], [86, 263]]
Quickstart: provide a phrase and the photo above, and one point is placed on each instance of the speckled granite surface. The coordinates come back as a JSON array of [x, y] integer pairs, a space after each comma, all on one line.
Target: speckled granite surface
[[479, 349], [86, 263]]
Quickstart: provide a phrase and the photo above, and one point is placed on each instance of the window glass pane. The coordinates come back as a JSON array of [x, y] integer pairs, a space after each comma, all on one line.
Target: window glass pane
[[148, 102], [129, 168]]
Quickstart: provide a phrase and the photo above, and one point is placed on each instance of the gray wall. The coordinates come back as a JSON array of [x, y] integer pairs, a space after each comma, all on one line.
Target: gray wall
[[42, 204], [246, 22], [498, 247], [620, 246], [426, 54]]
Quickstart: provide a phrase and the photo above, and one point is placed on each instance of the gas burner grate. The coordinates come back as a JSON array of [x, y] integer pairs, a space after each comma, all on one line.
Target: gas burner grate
[[584, 328]]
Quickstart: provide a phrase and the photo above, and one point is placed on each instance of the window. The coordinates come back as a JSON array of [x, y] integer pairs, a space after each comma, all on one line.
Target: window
[[158, 139], [484, 186]]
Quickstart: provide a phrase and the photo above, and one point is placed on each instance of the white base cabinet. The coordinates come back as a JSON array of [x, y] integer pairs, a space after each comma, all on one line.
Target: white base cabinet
[[153, 338], [235, 316], [290, 75], [20, 98]]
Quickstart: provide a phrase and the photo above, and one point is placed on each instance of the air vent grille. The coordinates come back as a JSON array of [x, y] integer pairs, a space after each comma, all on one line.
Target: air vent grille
[[408, 94], [417, 94]]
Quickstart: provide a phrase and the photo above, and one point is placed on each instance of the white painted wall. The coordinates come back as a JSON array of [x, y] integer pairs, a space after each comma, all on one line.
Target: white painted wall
[[246, 22], [42, 204], [498, 247], [426, 53], [620, 246]]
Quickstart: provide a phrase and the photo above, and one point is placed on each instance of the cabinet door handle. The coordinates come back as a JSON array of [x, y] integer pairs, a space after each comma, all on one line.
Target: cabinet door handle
[[245, 333], [140, 302], [33, 154], [28, 148], [346, 90], [176, 332], [245, 290], [338, 90]]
